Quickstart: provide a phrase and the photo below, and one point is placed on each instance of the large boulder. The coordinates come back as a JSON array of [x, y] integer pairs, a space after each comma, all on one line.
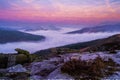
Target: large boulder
[[35, 77], [17, 72], [42, 68], [118, 55], [16, 69], [56, 74], [116, 75]]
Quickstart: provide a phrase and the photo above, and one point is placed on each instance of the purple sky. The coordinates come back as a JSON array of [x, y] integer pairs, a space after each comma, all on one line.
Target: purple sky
[[61, 11]]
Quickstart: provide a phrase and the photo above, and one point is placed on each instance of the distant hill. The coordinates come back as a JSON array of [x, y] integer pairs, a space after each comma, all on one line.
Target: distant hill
[[106, 44], [101, 28], [32, 27], [50, 27], [28, 26], [8, 35]]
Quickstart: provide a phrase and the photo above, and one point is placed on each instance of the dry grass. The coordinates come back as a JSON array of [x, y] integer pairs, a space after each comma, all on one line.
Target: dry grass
[[89, 70]]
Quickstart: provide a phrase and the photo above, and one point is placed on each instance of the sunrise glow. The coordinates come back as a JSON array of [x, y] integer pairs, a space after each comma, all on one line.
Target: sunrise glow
[[60, 10]]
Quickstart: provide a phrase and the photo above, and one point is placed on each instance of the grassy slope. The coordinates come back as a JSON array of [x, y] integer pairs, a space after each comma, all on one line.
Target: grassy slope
[[16, 36], [109, 43]]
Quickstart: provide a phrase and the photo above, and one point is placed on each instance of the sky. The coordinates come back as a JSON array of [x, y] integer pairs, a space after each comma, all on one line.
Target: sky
[[61, 11]]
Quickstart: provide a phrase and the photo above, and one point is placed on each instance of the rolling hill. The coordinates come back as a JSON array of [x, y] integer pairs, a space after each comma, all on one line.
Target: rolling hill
[[101, 28], [105, 44], [8, 35]]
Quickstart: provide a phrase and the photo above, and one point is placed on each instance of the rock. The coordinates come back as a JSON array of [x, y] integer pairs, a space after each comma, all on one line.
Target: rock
[[50, 69], [42, 68], [47, 66], [17, 72], [118, 55], [3, 71], [35, 77], [5, 78], [55, 59], [56, 74], [66, 59], [35, 68], [16, 69], [116, 75]]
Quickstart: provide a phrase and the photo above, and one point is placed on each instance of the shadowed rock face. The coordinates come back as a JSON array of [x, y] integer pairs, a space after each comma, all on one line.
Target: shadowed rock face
[[51, 68], [17, 68], [11, 60], [42, 68], [7, 60], [48, 70]]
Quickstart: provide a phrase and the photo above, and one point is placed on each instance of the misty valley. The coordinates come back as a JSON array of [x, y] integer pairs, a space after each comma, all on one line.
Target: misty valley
[[59, 52], [59, 39], [44, 38]]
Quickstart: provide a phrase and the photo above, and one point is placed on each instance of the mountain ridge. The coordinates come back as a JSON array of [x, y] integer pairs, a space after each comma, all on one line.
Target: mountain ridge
[[101, 28]]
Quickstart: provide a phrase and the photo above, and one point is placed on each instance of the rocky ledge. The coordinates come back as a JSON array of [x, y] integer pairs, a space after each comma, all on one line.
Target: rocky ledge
[[51, 68]]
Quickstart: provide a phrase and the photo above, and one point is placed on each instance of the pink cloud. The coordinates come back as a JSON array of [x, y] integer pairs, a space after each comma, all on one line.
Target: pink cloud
[[32, 11]]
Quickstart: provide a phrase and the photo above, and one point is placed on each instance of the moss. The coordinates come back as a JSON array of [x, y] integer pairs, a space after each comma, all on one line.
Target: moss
[[21, 59], [24, 52]]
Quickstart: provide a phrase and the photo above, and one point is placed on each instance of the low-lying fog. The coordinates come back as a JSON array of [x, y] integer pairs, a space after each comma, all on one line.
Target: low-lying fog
[[53, 39]]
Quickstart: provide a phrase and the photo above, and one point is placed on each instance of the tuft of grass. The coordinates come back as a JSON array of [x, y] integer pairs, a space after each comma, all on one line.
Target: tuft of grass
[[95, 69]]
